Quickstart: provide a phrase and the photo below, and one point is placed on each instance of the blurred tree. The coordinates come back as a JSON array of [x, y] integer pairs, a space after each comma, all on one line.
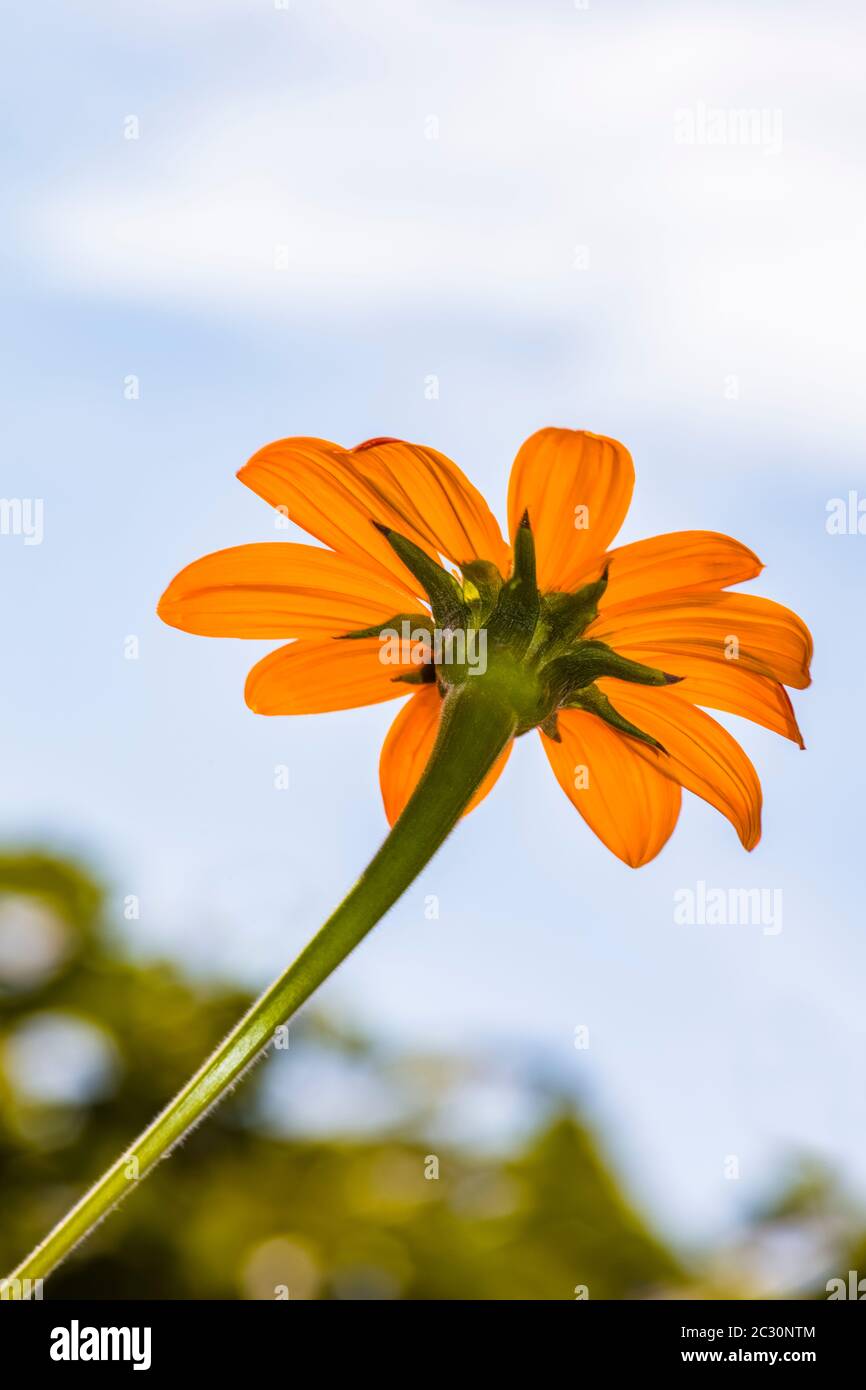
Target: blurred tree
[[92, 1044]]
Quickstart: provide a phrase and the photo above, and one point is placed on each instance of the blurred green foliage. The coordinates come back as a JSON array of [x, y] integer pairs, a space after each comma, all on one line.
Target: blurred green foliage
[[92, 1044]]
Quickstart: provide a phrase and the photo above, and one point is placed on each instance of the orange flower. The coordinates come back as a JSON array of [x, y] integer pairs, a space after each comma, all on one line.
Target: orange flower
[[597, 628]]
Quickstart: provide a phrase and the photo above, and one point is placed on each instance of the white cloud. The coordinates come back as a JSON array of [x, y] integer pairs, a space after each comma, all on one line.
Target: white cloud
[[317, 195]]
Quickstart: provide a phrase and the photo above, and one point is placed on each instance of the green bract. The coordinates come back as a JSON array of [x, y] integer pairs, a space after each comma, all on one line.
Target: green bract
[[535, 654]]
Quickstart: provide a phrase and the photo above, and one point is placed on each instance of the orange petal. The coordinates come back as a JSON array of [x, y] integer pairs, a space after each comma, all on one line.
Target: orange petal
[[701, 755], [631, 806], [408, 746], [313, 677], [732, 688], [336, 494], [576, 487], [681, 560], [276, 589], [738, 629]]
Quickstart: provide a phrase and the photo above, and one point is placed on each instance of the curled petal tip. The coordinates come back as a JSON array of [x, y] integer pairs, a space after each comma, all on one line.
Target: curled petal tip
[[166, 609], [372, 443]]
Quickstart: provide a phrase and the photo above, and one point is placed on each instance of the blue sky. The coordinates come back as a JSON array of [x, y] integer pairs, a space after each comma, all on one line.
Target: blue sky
[[495, 196]]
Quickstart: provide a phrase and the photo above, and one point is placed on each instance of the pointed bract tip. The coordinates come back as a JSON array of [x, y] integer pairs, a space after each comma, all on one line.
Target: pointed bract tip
[[672, 680], [550, 728], [524, 520], [380, 526]]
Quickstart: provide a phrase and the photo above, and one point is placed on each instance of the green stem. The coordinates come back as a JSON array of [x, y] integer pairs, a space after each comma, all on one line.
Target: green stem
[[476, 725]]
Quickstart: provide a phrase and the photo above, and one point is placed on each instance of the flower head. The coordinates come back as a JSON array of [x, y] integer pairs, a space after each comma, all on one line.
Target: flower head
[[612, 654]]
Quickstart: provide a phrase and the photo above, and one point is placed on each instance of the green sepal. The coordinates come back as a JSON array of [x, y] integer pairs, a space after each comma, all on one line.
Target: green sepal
[[594, 702], [592, 660], [442, 589], [425, 675], [395, 624], [516, 614], [484, 577], [566, 616], [550, 727]]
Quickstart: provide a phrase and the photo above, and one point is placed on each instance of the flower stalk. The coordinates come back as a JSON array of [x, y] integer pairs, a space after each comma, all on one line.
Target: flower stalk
[[477, 724]]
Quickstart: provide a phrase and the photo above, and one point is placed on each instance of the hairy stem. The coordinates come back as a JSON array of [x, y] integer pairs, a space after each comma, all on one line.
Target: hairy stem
[[475, 727]]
